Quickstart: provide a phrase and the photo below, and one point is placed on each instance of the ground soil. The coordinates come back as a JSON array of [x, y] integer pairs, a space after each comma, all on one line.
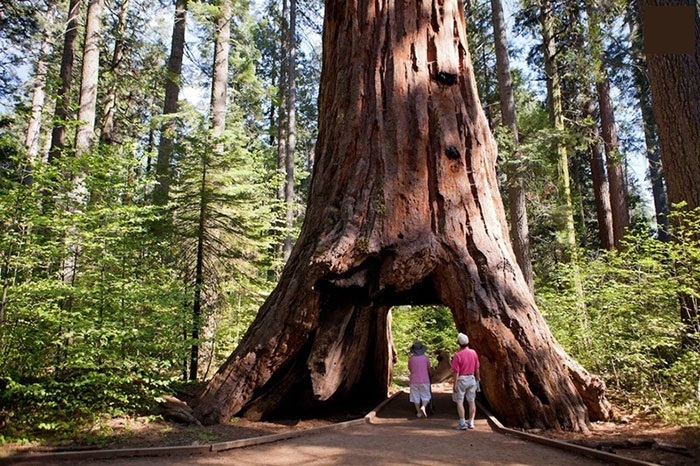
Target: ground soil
[[649, 441]]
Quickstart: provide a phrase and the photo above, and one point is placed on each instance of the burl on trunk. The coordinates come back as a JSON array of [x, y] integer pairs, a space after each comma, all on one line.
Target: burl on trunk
[[404, 208]]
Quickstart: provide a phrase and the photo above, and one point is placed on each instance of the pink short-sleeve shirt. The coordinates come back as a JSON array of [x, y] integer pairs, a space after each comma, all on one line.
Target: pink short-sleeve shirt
[[419, 367], [465, 361]]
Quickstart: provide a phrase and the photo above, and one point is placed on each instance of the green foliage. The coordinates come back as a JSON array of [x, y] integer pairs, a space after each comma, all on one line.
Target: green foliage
[[90, 316], [432, 325], [628, 329], [220, 213]]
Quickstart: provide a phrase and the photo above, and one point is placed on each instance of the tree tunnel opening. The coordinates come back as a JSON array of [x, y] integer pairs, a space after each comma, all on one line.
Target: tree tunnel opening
[[432, 325], [357, 314]]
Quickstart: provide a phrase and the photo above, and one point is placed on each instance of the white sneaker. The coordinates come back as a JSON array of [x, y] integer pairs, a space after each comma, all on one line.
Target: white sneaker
[[418, 415], [470, 425], [422, 411]]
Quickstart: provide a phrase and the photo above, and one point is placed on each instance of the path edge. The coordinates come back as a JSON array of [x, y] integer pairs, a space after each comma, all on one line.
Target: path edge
[[182, 450], [560, 444]]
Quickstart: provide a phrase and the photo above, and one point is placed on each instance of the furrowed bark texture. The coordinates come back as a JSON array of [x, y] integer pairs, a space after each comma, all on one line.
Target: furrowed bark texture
[[675, 87], [404, 208]]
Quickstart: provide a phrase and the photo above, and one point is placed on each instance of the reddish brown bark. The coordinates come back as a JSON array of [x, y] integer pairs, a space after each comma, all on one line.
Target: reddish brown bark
[[161, 191], [404, 208], [618, 200], [643, 93], [601, 190], [675, 90], [62, 112]]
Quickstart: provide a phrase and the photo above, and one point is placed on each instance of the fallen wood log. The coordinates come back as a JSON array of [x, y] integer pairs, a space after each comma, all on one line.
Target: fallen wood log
[[177, 410]]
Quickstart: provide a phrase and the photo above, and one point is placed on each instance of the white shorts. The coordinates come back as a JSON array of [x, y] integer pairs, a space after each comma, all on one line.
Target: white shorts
[[466, 388], [419, 393]]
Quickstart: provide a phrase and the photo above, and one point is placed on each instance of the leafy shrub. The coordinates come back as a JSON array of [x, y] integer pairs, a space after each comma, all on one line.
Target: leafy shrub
[[623, 320]]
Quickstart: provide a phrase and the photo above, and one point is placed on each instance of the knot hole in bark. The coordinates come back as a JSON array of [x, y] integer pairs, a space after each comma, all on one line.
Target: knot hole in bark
[[448, 79], [452, 153]]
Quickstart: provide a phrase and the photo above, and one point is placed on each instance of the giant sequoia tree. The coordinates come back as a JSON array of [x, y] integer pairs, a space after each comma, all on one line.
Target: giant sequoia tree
[[404, 208]]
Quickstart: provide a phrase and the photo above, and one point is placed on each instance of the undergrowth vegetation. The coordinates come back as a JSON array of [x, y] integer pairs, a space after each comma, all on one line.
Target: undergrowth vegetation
[[625, 322]]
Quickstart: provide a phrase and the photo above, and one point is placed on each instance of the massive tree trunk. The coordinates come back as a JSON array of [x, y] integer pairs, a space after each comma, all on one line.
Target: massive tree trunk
[[85, 133], [517, 200], [161, 191], [62, 112], [674, 76], [404, 208]]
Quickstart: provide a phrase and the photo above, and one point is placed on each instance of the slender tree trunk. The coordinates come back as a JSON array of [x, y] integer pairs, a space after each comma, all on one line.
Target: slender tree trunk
[[282, 122], [108, 133], [653, 153], [616, 179], [32, 140], [219, 86], [282, 101], [161, 191], [199, 272], [404, 207], [62, 111], [675, 91], [85, 134], [618, 197], [556, 116], [291, 130], [601, 191], [517, 200], [218, 125]]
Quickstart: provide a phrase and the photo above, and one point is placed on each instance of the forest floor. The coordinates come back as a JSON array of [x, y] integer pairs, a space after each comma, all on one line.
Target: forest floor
[[640, 439]]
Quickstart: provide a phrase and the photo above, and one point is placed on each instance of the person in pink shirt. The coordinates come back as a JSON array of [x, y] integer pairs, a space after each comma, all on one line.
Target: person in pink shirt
[[465, 383], [419, 378]]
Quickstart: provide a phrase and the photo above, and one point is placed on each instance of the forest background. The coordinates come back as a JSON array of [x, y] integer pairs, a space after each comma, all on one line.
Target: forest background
[[154, 165]]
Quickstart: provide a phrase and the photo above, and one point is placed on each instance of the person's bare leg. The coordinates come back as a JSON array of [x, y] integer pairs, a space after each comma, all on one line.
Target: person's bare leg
[[423, 406], [460, 412], [472, 412], [418, 411]]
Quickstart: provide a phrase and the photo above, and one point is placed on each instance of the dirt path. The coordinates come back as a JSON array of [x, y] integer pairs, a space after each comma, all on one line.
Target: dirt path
[[395, 437]]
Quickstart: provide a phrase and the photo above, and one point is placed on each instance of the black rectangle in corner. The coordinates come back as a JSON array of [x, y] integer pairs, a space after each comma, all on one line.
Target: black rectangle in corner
[[669, 29]]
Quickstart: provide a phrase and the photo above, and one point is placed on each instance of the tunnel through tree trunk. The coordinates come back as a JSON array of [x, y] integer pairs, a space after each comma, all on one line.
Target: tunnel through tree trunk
[[404, 209]]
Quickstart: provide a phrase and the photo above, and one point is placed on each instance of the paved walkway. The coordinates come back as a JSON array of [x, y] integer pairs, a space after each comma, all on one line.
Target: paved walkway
[[395, 437]]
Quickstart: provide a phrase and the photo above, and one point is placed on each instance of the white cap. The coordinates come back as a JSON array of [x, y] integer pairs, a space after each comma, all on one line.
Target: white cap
[[462, 339]]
